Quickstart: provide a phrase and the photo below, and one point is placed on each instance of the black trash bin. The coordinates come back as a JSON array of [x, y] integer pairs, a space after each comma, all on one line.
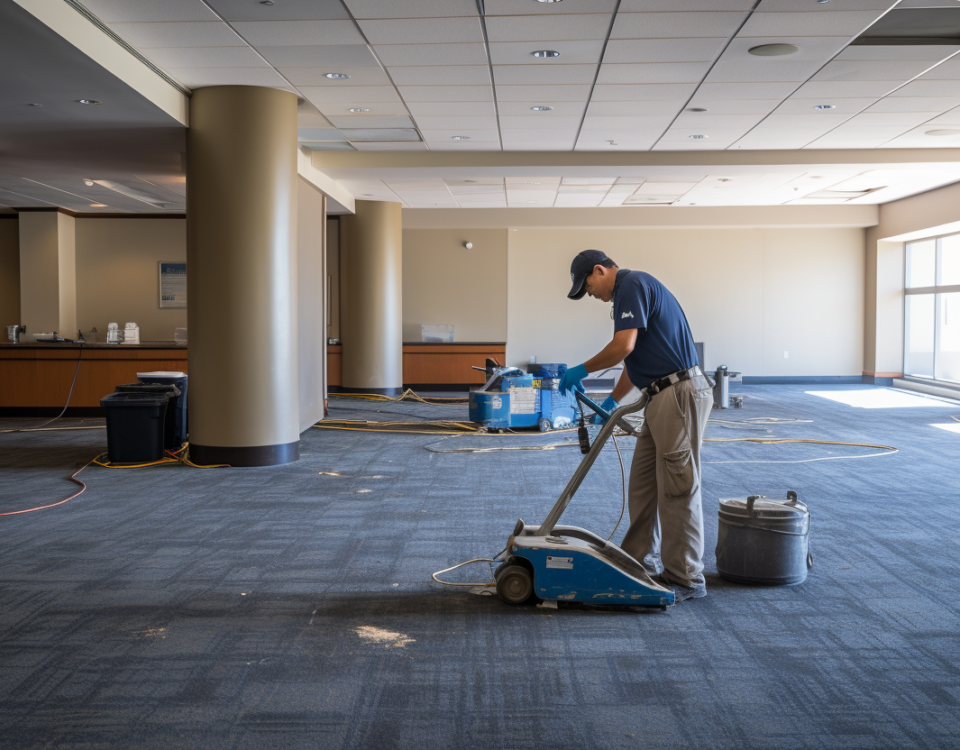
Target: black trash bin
[[135, 426], [179, 405], [171, 433]]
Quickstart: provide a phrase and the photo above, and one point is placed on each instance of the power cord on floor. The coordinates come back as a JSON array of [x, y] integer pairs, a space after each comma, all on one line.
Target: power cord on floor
[[408, 395], [69, 396], [490, 560], [71, 478]]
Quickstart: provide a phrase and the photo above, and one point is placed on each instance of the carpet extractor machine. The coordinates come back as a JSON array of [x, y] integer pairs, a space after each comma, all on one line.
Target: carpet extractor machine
[[571, 564], [512, 399]]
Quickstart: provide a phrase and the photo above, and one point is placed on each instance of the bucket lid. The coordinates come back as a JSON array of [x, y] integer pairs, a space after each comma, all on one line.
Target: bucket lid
[[764, 506], [161, 374], [134, 399]]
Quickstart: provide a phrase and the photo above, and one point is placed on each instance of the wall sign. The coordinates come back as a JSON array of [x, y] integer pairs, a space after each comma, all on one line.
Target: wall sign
[[173, 286]]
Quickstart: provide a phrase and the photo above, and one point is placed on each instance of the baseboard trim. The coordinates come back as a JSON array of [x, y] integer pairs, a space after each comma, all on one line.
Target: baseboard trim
[[929, 389], [252, 455]]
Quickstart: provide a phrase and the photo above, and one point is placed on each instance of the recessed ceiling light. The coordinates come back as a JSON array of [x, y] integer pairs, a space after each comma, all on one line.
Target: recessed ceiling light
[[697, 137], [943, 131], [266, 2], [697, 109], [822, 2], [88, 183], [459, 137], [549, 1], [824, 106], [34, 104], [358, 109], [336, 76], [98, 205], [723, 179], [88, 101], [545, 53], [541, 108], [774, 50]]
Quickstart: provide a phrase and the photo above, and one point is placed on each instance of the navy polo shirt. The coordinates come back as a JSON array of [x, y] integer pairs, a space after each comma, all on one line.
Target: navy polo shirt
[[664, 342]]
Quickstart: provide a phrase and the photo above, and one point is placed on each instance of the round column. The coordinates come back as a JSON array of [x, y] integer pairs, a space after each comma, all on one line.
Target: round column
[[242, 276], [371, 299]]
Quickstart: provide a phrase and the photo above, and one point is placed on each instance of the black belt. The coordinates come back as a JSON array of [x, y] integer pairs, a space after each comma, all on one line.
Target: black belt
[[672, 379]]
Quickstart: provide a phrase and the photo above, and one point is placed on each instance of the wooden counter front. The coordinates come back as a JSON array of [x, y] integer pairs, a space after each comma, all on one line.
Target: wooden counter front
[[431, 364], [32, 377]]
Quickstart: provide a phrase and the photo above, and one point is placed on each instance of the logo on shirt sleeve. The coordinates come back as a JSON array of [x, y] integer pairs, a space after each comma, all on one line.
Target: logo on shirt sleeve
[[626, 315]]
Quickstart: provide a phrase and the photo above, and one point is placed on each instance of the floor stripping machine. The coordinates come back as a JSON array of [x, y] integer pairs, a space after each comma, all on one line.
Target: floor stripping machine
[[512, 399], [568, 563]]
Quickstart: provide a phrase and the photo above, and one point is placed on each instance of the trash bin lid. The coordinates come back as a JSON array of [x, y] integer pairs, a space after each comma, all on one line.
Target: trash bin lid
[[737, 506], [134, 399], [161, 374], [169, 388]]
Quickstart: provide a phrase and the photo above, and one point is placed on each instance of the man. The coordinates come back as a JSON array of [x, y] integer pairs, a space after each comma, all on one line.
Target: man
[[652, 339]]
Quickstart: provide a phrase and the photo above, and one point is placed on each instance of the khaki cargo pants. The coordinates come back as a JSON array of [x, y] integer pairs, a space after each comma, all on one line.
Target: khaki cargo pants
[[666, 517]]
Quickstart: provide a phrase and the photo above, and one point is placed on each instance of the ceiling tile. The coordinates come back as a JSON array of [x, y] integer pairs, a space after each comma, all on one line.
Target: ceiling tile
[[948, 70], [813, 121], [380, 134], [454, 122], [370, 121], [422, 31], [120, 11], [702, 121], [513, 8], [871, 70], [849, 106], [652, 73], [442, 75], [319, 134], [327, 145], [446, 93], [551, 93], [925, 87], [533, 75], [298, 33], [735, 106], [781, 90], [196, 34], [391, 146], [614, 124], [474, 136], [468, 53], [828, 90], [522, 109], [915, 103], [317, 76], [702, 49], [411, 8], [464, 145], [348, 95], [287, 10], [669, 92], [546, 123], [791, 25], [677, 25], [532, 183], [781, 6], [316, 55], [647, 6], [947, 118], [632, 109], [196, 77], [205, 57], [561, 27], [520, 53], [929, 52], [761, 70], [461, 109]]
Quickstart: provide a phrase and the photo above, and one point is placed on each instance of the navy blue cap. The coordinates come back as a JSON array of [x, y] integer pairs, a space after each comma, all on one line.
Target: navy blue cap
[[582, 267]]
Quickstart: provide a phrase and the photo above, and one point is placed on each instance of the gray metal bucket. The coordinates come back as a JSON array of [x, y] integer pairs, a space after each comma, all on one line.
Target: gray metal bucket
[[763, 541]]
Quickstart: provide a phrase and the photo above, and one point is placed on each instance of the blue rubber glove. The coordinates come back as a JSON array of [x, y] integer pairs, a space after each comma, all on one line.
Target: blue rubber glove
[[608, 406], [571, 379]]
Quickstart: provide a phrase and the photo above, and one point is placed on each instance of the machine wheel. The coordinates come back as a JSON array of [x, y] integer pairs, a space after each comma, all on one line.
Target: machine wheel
[[514, 584], [545, 425]]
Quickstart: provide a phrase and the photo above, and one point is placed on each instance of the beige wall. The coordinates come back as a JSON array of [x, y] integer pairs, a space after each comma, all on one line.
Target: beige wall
[[445, 283], [118, 274], [9, 273], [749, 294], [48, 266], [311, 280]]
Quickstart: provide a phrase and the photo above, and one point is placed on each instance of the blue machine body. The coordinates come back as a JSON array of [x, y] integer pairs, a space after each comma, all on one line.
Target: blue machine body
[[511, 399]]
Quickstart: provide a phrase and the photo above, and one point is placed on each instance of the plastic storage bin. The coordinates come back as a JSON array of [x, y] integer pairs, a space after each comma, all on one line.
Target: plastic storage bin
[[135, 426], [171, 434], [179, 405]]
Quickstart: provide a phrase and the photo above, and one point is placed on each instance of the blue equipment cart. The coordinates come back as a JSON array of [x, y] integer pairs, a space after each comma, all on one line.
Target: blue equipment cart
[[512, 399]]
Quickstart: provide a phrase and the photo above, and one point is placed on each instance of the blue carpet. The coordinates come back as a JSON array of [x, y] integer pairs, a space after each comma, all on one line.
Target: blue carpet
[[177, 608]]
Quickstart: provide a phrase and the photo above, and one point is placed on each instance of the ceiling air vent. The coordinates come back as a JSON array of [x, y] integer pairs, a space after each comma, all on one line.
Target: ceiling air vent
[[914, 26]]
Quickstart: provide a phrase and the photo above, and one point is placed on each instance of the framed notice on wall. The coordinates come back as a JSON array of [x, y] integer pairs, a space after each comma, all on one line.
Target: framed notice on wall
[[173, 286]]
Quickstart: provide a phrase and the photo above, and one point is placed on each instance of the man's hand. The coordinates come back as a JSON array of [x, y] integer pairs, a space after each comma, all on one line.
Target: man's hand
[[608, 406], [571, 379]]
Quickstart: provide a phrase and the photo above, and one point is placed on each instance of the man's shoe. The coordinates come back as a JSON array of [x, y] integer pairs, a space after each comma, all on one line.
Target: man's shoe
[[680, 592]]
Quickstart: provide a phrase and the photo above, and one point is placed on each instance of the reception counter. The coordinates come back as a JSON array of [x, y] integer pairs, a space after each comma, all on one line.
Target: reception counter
[[36, 377], [428, 364]]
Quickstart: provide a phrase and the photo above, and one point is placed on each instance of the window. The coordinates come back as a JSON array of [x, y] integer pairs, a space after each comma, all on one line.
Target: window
[[932, 309]]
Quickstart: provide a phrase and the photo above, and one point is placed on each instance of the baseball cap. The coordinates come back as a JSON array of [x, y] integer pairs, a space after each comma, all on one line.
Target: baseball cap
[[582, 267]]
